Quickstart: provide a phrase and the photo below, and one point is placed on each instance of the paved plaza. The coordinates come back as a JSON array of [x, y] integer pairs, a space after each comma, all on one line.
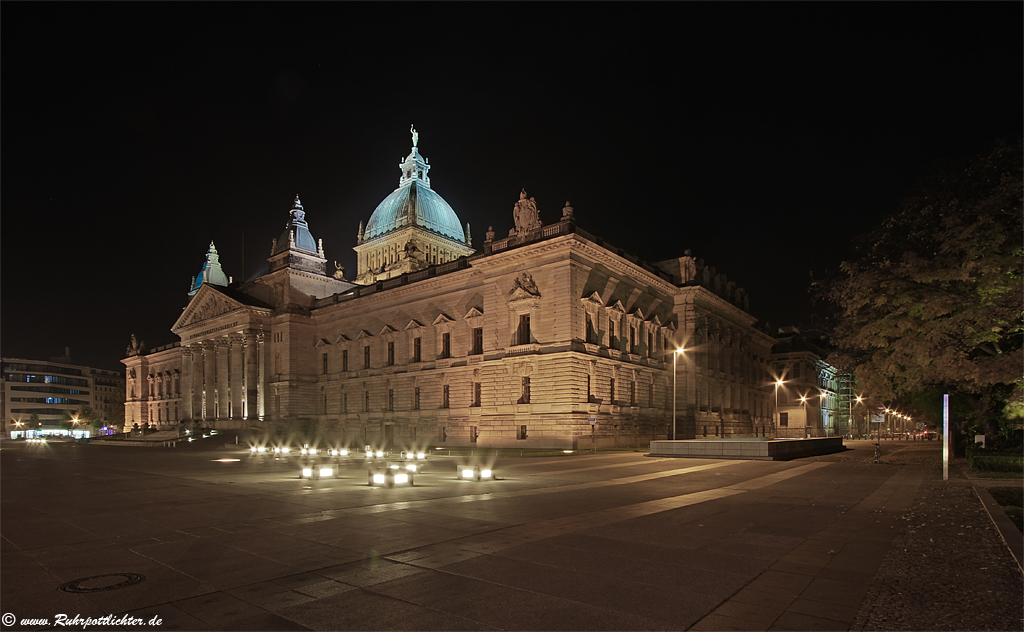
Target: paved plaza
[[202, 537]]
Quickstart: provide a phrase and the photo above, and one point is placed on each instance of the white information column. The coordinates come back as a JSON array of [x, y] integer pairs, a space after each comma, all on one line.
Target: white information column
[[945, 437]]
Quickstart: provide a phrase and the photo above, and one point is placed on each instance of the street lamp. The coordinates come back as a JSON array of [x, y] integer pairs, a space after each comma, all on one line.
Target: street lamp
[[778, 383], [803, 400], [678, 352], [859, 399]]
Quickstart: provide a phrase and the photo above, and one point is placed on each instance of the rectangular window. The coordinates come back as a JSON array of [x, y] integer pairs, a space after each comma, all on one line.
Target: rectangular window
[[416, 397], [784, 420], [476, 393], [622, 330], [472, 434], [366, 401], [650, 396], [478, 340], [589, 392], [444, 433], [446, 345], [522, 432], [650, 344], [391, 399], [445, 396], [325, 402], [590, 333], [324, 356], [344, 402], [632, 393], [523, 333], [366, 357], [344, 361], [632, 339], [611, 333], [391, 354], [525, 399], [611, 391]]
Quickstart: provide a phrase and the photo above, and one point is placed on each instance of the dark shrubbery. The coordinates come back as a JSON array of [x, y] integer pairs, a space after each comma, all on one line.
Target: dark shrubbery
[[996, 463]]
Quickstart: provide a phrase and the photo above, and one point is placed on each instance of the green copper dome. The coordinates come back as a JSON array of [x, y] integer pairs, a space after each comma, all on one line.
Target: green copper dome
[[414, 203]]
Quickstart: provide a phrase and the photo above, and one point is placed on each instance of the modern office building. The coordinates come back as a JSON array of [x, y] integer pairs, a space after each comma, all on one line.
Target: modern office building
[[48, 389], [546, 337]]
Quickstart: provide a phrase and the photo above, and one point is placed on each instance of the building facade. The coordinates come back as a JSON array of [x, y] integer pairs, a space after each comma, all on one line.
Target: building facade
[[814, 398], [547, 337], [48, 390]]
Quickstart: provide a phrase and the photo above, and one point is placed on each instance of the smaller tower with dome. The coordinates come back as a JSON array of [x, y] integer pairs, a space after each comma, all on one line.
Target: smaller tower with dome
[[411, 229]]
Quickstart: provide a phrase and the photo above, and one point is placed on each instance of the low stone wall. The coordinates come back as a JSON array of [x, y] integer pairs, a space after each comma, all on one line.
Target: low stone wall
[[761, 450]]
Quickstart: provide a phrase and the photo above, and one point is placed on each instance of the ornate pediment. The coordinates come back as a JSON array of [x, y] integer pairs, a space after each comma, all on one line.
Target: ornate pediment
[[208, 303], [322, 342], [637, 314], [617, 307], [473, 313], [387, 331], [342, 338], [443, 318], [363, 334], [413, 324], [594, 298], [523, 288], [656, 321]]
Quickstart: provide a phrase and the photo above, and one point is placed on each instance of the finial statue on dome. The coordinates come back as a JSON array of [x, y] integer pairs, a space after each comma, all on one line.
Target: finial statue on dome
[[415, 136]]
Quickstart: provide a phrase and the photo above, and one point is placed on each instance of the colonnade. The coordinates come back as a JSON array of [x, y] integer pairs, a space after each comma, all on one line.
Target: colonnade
[[225, 378]]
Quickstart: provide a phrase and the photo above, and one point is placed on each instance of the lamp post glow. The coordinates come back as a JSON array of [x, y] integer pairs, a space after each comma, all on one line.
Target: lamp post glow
[[778, 383], [678, 352], [859, 399], [803, 400]]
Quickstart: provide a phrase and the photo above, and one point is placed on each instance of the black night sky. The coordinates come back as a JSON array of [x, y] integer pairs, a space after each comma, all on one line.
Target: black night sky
[[764, 137]]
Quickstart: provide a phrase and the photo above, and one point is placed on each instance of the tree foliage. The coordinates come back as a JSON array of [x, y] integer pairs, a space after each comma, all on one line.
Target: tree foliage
[[113, 410], [934, 297]]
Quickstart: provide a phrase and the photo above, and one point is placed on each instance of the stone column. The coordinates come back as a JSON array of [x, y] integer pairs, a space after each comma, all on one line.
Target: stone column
[[261, 380], [198, 381], [237, 372], [186, 381], [209, 381], [223, 394], [251, 375]]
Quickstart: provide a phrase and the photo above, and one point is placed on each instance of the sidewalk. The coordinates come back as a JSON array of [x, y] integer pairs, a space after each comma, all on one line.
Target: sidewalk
[[917, 554]]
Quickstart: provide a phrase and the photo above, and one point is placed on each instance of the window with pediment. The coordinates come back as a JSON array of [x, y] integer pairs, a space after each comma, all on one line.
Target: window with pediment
[[444, 325]]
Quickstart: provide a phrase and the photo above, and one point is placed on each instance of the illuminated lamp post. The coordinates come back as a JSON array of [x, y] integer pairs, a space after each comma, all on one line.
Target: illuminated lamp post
[[678, 352], [777, 419], [803, 400], [859, 399]]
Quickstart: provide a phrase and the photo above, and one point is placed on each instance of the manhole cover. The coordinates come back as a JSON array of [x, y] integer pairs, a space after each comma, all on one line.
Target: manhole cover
[[100, 583]]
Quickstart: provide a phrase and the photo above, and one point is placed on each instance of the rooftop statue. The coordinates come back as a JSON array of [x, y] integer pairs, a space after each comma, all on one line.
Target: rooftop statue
[[415, 136], [687, 267], [525, 213]]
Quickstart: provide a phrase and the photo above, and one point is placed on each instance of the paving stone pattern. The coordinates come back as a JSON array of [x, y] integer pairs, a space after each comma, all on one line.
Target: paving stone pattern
[[611, 541]]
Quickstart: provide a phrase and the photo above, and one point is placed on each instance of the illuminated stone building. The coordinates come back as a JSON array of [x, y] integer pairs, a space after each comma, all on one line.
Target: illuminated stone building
[[814, 400], [546, 337]]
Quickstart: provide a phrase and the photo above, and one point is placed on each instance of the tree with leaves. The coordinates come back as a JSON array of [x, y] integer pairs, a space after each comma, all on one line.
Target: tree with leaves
[[934, 298], [113, 409]]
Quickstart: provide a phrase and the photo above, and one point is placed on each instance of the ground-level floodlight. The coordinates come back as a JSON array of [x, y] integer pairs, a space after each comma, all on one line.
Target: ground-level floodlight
[[315, 472], [473, 473], [389, 477]]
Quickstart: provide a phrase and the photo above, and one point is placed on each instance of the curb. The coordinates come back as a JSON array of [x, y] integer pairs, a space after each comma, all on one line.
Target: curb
[[1012, 538]]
